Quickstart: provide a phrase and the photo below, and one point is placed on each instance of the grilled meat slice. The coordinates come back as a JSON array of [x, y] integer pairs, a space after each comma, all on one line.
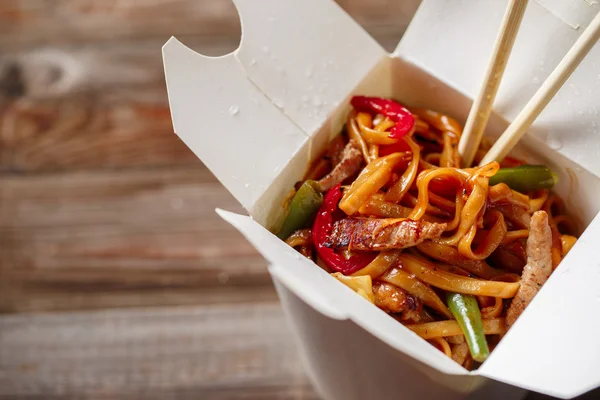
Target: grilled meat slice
[[349, 165], [394, 300], [369, 234], [538, 268]]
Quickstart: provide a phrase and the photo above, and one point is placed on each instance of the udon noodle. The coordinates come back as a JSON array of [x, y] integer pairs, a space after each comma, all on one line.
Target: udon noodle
[[409, 230]]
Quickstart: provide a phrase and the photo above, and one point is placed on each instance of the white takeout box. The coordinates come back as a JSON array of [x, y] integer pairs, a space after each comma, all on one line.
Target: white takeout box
[[257, 116]]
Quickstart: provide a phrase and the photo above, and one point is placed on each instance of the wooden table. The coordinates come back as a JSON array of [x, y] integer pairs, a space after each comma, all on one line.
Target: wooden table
[[117, 279]]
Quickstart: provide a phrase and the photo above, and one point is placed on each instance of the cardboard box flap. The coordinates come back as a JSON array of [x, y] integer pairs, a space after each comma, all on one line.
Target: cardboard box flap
[[320, 55], [553, 347], [324, 294], [457, 47], [241, 118]]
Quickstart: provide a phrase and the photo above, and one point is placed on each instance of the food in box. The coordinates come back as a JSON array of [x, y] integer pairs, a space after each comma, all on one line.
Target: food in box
[[291, 88]]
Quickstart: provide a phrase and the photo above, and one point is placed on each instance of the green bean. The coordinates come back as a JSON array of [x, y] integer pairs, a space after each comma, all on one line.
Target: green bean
[[466, 311], [303, 207], [526, 177]]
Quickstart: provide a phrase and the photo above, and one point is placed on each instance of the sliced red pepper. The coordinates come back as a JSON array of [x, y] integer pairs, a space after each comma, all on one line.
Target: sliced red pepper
[[321, 231], [395, 111]]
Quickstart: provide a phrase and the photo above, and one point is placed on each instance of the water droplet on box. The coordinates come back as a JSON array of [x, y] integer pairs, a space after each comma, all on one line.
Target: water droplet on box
[[536, 80], [265, 49], [252, 62], [234, 110], [309, 72], [580, 112], [554, 143], [278, 103], [542, 62], [576, 91], [297, 255], [304, 98]]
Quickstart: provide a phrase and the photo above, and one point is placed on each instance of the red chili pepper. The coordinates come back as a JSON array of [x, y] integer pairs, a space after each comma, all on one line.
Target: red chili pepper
[[395, 111], [321, 231]]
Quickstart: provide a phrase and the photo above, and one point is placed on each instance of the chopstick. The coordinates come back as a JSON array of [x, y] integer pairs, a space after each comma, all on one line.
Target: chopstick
[[482, 106], [542, 97]]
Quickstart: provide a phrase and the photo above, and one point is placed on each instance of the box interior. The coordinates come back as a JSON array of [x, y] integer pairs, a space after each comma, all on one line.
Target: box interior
[[409, 84], [251, 82], [399, 79]]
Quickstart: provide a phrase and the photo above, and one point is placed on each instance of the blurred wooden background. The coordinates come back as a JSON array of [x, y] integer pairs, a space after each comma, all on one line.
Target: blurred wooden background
[[117, 279]]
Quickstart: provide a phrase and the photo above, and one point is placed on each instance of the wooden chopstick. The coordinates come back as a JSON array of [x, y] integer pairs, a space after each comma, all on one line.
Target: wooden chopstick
[[482, 106], [542, 97]]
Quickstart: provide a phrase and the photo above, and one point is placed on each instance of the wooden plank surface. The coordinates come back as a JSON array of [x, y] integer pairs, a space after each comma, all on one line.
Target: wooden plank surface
[[59, 22], [117, 279], [129, 238], [200, 352]]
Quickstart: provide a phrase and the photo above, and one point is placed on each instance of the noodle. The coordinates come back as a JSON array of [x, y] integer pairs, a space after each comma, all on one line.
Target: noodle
[[430, 330], [372, 178], [428, 273], [412, 285], [442, 345], [397, 192], [379, 265], [491, 241], [408, 186], [450, 255]]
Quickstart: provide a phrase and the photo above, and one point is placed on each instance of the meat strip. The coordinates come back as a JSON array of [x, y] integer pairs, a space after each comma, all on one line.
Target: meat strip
[[349, 165], [370, 234], [538, 267], [392, 299]]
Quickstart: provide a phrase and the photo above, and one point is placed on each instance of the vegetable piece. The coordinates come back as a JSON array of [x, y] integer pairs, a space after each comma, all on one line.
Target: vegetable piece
[[525, 178], [303, 207], [396, 112], [466, 311], [320, 234]]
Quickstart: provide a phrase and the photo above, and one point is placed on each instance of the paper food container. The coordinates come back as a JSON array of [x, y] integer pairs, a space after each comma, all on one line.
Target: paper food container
[[257, 116]]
